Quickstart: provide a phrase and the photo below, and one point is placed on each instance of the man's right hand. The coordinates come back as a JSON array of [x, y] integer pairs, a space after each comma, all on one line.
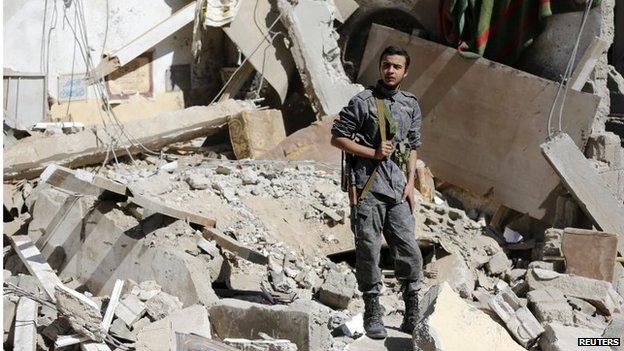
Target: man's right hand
[[384, 149]]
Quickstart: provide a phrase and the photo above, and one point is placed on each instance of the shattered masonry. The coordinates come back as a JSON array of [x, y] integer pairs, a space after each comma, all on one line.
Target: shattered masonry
[[169, 182]]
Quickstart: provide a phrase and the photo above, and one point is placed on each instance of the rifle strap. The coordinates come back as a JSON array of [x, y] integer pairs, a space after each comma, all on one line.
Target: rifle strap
[[382, 117]]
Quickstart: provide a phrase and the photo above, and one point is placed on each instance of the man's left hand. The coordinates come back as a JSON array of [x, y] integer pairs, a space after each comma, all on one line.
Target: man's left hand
[[408, 193]]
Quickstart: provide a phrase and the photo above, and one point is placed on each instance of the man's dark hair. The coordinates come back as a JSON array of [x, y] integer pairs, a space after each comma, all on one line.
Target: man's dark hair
[[395, 50]]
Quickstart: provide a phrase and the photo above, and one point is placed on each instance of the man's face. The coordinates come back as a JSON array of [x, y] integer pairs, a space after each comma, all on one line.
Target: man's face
[[392, 70]]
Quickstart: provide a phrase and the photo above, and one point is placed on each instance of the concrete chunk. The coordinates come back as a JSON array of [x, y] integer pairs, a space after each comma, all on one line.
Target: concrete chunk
[[83, 314], [303, 322], [130, 309], [337, 290], [261, 345], [550, 305], [589, 253], [498, 263], [455, 271], [558, 337], [449, 323], [599, 293], [162, 305], [616, 330], [519, 320], [317, 54], [160, 335]]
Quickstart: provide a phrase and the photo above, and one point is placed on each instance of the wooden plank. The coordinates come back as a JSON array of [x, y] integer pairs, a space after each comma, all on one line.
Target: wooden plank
[[143, 42], [36, 264], [25, 335], [234, 246], [112, 305], [483, 121], [80, 181], [586, 64], [155, 206], [586, 186]]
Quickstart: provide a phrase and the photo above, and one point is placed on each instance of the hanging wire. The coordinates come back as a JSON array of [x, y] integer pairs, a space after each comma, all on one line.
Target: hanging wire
[[567, 74]]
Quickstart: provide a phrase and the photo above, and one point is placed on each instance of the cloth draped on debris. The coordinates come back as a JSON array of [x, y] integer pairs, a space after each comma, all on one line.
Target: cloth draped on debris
[[498, 30], [216, 13]]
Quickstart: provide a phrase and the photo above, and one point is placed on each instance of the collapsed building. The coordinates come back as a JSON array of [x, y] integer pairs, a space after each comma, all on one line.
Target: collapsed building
[[169, 182]]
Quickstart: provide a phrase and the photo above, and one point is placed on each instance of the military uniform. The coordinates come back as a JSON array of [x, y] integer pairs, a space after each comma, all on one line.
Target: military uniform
[[381, 209]]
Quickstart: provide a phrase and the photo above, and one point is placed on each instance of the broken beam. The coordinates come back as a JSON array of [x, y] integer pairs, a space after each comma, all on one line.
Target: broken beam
[[112, 305], [158, 207], [585, 185], [30, 156], [80, 181], [25, 334], [232, 245], [586, 64], [143, 42], [36, 264]]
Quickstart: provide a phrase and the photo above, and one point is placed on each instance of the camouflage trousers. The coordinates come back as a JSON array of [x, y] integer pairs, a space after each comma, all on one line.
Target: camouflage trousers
[[372, 216]]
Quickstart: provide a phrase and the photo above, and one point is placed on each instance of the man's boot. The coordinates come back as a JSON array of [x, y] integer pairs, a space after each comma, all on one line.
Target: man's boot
[[373, 322], [410, 319]]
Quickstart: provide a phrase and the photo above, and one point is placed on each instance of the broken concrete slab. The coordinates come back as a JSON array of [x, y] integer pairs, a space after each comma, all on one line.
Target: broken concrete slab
[[447, 322], [599, 293], [550, 305], [160, 335], [114, 246], [558, 337], [140, 44], [83, 314], [519, 320], [30, 156], [445, 84], [303, 322], [253, 133], [314, 47], [582, 180], [455, 271], [590, 253], [271, 57]]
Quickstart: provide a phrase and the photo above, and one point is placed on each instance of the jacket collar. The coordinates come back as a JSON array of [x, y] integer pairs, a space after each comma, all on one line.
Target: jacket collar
[[385, 91]]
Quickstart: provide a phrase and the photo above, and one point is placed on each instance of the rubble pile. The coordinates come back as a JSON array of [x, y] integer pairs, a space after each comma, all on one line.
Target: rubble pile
[[182, 192], [187, 271]]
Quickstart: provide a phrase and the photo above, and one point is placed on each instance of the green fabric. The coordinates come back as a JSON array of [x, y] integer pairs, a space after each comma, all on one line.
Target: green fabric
[[497, 29]]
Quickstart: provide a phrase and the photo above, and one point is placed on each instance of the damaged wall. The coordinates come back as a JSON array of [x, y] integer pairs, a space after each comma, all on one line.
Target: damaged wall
[[32, 46]]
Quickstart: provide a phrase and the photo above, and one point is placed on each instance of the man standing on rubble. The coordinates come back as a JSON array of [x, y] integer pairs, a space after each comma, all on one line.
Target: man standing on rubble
[[380, 131]]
